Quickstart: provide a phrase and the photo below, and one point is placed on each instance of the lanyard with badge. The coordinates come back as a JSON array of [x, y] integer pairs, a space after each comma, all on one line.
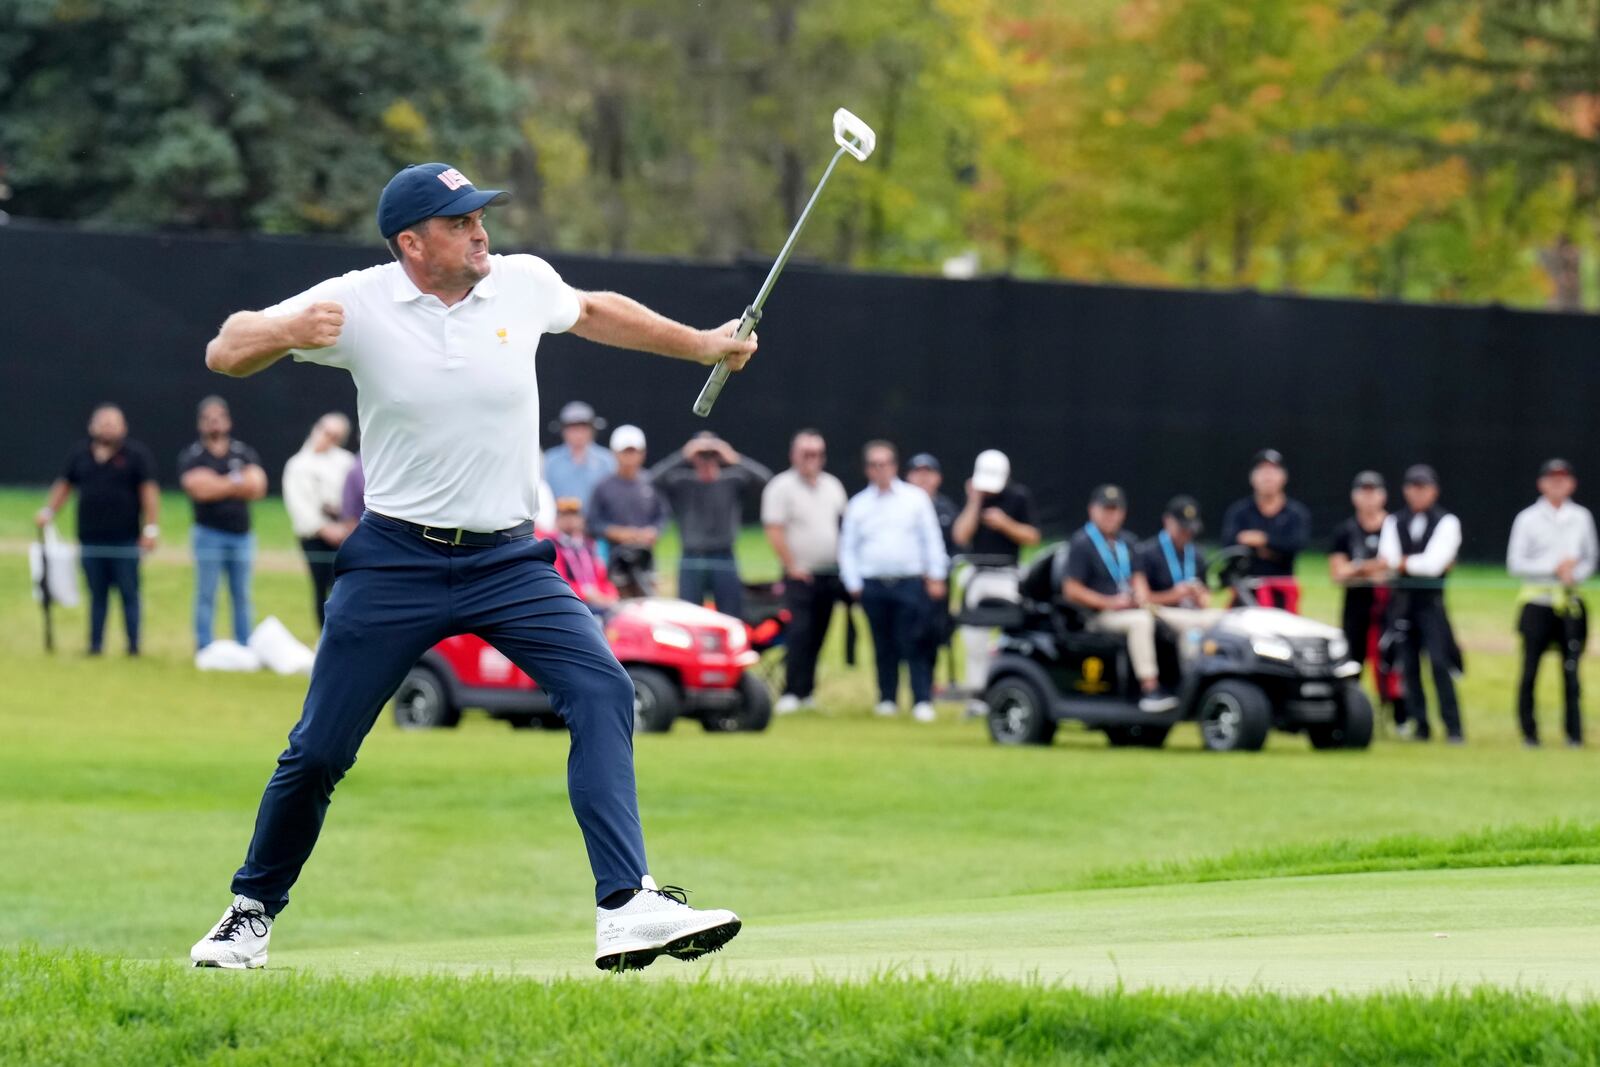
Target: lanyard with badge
[[1118, 567], [1185, 573]]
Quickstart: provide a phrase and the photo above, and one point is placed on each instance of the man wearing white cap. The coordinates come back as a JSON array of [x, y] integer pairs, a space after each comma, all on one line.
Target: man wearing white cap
[[627, 512], [995, 524], [575, 466]]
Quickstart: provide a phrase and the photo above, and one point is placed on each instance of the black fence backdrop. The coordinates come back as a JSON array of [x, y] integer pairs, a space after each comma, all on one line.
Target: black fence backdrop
[[1161, 391]]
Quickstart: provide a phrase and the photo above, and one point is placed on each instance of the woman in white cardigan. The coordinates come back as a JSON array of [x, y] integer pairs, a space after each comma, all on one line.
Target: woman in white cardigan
[[313, 488]]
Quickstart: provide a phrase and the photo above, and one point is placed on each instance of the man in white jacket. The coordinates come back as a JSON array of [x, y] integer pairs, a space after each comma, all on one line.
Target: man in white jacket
[[313, 492], [1553, 550]]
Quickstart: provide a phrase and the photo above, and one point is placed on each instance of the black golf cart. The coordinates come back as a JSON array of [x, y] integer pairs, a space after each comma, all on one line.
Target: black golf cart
[[1257, 670]]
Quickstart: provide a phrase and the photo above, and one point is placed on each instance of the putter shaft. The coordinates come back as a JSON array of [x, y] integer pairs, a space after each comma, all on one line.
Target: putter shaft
[[752, 314]]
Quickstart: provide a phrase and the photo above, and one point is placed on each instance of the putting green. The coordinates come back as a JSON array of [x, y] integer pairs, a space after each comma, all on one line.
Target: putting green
[[1534, 928]]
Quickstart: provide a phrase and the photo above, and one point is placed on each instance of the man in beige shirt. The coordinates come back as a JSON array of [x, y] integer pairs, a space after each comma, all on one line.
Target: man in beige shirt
[[801, 509]]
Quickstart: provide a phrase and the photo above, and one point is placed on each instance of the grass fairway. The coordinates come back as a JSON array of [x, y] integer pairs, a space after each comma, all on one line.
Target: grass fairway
[[912, 894]]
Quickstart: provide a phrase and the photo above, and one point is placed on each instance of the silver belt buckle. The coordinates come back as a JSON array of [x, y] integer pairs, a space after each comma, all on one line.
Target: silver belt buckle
[[427, 535]]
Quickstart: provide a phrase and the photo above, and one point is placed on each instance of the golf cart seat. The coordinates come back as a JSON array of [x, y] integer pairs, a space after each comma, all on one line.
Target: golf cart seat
[[1041, 589]]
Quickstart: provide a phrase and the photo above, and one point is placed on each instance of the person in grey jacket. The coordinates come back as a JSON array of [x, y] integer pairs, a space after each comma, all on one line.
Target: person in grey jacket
[[704, 482]]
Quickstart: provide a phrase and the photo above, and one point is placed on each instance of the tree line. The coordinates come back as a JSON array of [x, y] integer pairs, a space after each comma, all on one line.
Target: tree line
[[1409, 149]]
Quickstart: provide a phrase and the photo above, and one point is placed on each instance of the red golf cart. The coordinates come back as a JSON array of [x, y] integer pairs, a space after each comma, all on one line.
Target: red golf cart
[[685, 661]]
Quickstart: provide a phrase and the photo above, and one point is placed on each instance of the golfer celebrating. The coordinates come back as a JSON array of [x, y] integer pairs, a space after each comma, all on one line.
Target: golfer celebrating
[[441, 344]]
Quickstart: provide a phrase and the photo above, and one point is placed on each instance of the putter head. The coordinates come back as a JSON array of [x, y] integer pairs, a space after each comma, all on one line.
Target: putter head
[[853, 135]]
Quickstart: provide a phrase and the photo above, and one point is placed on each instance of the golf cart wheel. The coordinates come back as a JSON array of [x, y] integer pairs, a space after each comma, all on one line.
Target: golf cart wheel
[[1353, 727], [1137, 736], [1019, 712], [750, 715], [655, 701], [423, 703], [1235, 716]]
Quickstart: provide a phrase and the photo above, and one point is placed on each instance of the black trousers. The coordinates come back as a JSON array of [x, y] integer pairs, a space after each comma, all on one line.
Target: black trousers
[[897, 610], [105, 566], [1542, 626], [319, 557], [810, 605], [1428, 631]]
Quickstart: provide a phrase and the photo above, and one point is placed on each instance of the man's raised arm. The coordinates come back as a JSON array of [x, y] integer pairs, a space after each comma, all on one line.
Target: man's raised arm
[[613, 319], [251, 341]]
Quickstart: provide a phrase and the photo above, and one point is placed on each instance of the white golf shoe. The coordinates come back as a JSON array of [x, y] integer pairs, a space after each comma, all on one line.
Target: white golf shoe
[[239, 940], [787, 704], [886, 708], [924, 712], [658, 922]]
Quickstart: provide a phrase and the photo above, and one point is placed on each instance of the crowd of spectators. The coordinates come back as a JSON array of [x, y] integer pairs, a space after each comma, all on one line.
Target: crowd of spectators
[[889, 549]]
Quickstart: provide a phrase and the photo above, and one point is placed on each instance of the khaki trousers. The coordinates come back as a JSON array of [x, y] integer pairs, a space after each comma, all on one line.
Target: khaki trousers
[[1183, 620], [1139, 627]]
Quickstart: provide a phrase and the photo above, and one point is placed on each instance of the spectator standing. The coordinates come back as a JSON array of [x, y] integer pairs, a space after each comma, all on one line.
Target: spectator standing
[[1553, 550], [994, 526], [801, 510], [1274, 526], [313, 494], [1419, 543], [1103, 578], [221, 476], [115, 478], [924, 472], [1354, 564], [1175, 575], [703, 483], [629, 514], [578, 558], [892, 558], [575, 466]]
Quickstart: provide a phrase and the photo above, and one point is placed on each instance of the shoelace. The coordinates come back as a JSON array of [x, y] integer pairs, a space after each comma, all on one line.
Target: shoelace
[[238, 917], [671, 892]]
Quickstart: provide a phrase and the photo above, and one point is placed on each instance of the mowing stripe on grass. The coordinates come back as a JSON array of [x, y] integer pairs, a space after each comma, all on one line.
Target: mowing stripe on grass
[[1548, 844]]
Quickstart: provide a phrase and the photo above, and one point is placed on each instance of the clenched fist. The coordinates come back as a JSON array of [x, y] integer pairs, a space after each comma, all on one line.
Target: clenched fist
[[318, 326], [719, 344]]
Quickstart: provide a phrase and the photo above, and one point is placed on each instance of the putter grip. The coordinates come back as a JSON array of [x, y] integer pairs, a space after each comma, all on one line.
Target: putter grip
[[720, 373]]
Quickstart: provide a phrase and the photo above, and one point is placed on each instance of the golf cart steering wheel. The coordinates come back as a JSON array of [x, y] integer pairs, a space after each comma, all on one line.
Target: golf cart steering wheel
[[1226, 567]]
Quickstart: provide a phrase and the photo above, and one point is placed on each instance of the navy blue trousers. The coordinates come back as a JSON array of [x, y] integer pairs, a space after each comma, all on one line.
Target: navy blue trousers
[[898, 611], [394, 597], [715, 573], [105, 566]]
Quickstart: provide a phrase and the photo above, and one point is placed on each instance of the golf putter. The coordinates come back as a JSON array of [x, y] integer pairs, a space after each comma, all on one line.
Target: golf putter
[[853, 137]]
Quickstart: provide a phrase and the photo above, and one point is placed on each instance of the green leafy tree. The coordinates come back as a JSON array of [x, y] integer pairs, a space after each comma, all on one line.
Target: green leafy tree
[[233, 114]]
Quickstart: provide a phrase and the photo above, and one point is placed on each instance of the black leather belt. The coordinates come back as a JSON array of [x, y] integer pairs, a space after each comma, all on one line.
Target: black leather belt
[[465, 538]]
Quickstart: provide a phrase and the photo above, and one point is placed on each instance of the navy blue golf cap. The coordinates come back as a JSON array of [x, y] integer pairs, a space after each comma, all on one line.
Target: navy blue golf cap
[[424, 190]]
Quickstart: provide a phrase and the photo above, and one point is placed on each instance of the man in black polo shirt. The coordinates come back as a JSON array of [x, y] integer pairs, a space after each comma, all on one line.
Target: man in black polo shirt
[[1175, 573], [1276, 527], [1353, 563], [221, 476], [924, 472], [116, 483], [1103, 577], [994, 526]]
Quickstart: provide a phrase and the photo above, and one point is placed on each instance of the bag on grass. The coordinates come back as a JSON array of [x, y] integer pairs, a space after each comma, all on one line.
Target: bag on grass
[[226, 655], [279, 650], [59, 560]]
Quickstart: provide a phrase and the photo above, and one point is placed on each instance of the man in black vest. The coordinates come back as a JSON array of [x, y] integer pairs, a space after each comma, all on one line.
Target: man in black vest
[[1419, 543]]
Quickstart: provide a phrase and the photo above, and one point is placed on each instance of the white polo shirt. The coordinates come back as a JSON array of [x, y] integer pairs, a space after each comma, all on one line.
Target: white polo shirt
[[447, 397]]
